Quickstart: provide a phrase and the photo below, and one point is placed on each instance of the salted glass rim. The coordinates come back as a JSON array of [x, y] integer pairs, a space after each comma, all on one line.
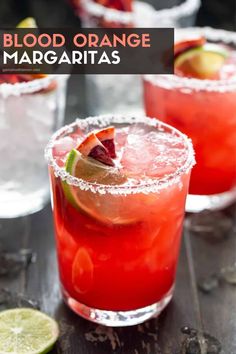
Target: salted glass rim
[[144, 186], [175, 81], [182, 10], [112, 15], [7, 89]]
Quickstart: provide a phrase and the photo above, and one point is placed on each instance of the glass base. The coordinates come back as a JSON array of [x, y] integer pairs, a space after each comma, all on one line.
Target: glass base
[[23, 205], [197, 203], [118, 318]]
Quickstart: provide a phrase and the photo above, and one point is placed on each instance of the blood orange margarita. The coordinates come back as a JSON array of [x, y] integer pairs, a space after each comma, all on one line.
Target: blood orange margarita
[[118, 192], [200, 100]]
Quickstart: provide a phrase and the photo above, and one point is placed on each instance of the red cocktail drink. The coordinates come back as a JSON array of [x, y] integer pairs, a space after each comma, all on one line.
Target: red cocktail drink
[[205, 110], [118, 221]]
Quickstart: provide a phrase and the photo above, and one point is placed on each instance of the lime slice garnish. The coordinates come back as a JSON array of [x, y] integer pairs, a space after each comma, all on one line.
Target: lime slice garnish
[[202, 62], [27, 331], [28, 22], [93, 171]]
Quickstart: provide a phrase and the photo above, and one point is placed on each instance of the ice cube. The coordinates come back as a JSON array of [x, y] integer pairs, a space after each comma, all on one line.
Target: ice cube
[[208, 284], [228, 274], [63, 146], [197, 342], [11, 263], [152, 153]]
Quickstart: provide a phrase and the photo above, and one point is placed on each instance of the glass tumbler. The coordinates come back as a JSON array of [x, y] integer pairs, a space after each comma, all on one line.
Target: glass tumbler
[[29, 113], [106, 94], [205, 110], [118, 245]]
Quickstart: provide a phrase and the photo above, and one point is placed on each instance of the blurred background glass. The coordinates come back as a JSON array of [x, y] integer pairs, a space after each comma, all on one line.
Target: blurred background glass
[[124, 96], [29, 113], [49, 13]]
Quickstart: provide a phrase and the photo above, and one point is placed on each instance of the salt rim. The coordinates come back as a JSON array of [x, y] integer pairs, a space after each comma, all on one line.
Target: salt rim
[[33, 86], [145, 187], [111, 15], [174, 81], [185, 9], [97, 10]]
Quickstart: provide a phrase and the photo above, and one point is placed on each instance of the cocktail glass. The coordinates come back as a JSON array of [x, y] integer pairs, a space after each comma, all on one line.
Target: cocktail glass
[[118, 245], [165, 13], [29, 113], [205, 110], [125, 96]]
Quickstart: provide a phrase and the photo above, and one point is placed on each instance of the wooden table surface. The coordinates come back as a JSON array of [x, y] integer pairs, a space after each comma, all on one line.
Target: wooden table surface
[[203, 253], [204, 299]]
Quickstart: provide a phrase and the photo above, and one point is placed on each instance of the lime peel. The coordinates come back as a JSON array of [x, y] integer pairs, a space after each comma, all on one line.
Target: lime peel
[[204, 61], [28, 22], [92, 171], [27, 331]]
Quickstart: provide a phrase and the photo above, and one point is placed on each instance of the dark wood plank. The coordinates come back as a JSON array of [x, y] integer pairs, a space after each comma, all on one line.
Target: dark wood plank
[[181, 311], [14, 235], [217, 307]]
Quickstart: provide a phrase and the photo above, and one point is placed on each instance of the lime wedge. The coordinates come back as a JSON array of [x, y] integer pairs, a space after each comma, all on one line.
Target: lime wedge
[[202, 62], [93, 171], [26, 331], [28, 22]]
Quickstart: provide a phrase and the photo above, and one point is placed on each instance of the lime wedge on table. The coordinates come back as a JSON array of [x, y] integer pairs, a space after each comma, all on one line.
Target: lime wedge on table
[[26, 331], [202, 62], [28, 22], [93, 171]]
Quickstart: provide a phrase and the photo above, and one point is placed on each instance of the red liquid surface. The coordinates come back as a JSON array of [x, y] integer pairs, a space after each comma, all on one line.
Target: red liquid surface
[[128, 261], [209, 119], [120, 5]]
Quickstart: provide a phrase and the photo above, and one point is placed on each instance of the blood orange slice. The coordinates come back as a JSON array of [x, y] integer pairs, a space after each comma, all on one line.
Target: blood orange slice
[[106, 137], [92, 147]]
